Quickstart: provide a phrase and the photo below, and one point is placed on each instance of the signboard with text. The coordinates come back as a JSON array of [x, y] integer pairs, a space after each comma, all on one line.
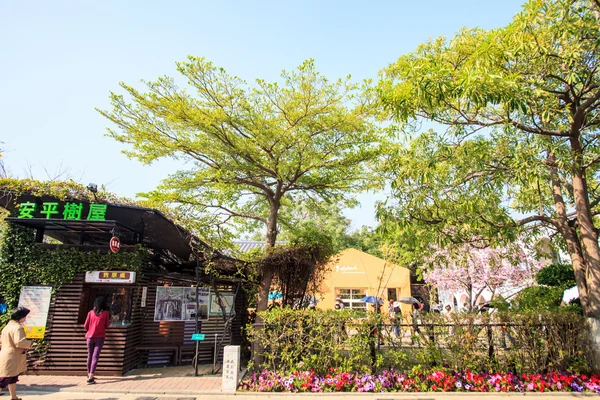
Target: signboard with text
[[110, 277], [114, 244], [37, 300], [29, 207], [348, 269]]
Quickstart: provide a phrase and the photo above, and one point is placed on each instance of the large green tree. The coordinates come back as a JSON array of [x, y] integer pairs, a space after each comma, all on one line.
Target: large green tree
[[520, 108], [251, 150], [329, 220]]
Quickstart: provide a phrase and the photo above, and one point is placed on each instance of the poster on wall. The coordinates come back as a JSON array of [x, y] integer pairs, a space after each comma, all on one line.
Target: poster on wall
[[176, 303], [226, 298], [37, 300]]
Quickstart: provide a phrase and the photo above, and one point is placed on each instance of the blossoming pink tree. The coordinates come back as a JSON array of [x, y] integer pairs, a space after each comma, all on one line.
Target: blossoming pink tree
[[475, 269]]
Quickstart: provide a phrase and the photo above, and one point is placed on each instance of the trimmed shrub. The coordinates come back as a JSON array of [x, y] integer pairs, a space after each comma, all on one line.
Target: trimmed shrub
[[297, 340]]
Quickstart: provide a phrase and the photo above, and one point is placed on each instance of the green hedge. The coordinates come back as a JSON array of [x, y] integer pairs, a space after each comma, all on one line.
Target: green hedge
[[320, 340]]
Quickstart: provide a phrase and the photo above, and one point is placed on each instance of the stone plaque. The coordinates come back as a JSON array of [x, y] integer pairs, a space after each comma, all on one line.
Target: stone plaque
[[231, 368]]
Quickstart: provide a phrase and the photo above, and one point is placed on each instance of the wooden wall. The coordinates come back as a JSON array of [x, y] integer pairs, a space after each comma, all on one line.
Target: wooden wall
[[67, 351]]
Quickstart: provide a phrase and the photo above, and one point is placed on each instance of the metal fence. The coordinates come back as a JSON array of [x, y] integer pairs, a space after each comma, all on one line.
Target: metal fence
[[522, 344]]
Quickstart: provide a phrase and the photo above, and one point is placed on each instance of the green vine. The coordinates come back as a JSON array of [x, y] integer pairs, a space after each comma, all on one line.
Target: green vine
[[23, 262], [62, 190]]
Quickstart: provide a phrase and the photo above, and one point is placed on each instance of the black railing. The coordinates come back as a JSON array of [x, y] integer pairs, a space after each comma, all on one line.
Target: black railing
[[468, 344]]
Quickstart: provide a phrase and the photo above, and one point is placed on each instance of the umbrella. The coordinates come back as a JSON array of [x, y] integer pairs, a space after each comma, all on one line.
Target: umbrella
[[371, 299], [396, 304], [275, 295], [409, 300]]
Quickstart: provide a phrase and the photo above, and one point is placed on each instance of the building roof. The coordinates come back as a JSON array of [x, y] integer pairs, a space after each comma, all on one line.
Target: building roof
[[245, 246], [132, 224]]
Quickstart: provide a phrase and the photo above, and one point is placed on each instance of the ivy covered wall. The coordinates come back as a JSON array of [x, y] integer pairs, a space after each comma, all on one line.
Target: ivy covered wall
[[23, 262]]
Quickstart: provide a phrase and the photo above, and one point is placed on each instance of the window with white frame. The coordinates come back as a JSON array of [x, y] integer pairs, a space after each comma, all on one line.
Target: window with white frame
[[351, 298]]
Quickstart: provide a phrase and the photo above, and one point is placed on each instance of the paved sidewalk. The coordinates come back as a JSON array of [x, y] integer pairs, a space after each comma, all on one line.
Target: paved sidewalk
[[304, 396], [176, 380]]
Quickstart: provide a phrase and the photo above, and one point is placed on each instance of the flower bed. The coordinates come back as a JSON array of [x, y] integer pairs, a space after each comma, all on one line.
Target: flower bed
[[435, 381]]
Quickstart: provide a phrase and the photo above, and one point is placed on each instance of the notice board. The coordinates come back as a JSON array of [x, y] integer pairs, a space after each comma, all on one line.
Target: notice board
[[37, 300]]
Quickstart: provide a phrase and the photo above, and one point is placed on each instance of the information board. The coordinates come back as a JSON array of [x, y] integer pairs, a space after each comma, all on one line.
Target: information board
[[176, 303], [37, 300], [226, 298]]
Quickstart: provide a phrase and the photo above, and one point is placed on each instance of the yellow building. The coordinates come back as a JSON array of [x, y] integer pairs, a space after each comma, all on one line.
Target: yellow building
[[354, 274]]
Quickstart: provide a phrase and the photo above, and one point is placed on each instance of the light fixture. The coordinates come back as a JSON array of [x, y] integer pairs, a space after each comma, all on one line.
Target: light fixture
[[92, 187]]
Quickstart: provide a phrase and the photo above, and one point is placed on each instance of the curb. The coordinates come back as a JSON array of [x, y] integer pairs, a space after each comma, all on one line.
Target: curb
[[382, 396]]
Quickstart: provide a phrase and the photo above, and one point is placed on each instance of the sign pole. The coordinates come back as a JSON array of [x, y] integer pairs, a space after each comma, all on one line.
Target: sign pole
[[215, 355], [197, 309]]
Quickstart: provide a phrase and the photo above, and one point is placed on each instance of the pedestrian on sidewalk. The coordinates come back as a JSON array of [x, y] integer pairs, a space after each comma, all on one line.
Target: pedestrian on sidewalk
[[13, 360], [98, 319]]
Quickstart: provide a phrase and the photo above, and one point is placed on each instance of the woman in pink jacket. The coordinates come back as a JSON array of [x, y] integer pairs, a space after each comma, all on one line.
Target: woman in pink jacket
[[95, 324]]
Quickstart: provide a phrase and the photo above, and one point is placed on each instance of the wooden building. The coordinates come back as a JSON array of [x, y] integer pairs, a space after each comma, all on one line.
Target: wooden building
[[169, 257]]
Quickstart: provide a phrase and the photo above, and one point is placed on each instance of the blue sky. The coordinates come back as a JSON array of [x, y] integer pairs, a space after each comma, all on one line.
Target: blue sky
[[60, 59]]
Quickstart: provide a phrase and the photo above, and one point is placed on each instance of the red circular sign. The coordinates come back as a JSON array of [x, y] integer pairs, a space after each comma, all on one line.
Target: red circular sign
[[115, 244]]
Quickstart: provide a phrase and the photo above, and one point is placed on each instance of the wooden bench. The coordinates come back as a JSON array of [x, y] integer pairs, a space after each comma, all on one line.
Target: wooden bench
[[173, 349]]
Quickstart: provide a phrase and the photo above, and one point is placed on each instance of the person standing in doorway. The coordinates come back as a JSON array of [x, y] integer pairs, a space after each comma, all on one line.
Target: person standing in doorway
[[95, 324], [13, 360]]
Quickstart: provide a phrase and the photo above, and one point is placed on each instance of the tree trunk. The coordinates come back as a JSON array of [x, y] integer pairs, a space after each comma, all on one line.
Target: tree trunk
[[568, 233], [588, 276], [587, 233], [589, 242], [577, 261], [593, 326], [267, 275], [470, 290]]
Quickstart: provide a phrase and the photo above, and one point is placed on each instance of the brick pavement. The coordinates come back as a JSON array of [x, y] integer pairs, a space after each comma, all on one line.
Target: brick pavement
[[156, 381]]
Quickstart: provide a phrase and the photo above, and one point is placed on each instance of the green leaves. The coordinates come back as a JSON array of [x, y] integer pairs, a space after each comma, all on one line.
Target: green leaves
[[23, 263], [510, 100], [555, 274], [248, 148]]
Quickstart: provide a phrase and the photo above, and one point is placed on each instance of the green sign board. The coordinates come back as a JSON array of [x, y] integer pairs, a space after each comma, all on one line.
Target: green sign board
[[198, 336], [71, 211]]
